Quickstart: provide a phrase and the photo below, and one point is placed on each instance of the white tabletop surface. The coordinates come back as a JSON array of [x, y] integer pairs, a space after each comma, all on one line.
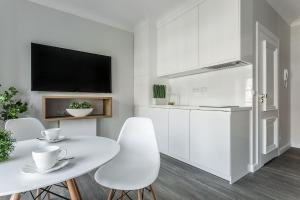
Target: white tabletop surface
[[88, 152]]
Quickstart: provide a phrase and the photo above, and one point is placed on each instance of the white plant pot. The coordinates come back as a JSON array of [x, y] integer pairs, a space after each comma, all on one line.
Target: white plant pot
[[158, 101], [80, 112]]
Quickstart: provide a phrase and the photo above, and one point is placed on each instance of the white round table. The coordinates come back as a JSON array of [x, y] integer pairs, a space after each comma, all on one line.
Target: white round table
[[89, 153]]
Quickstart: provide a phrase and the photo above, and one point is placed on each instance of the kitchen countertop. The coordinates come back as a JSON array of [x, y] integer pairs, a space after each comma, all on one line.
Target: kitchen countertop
[[206, 108]]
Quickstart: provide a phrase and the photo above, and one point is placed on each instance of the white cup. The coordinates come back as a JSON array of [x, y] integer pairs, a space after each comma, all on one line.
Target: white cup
[[46, 157], [51, 134]]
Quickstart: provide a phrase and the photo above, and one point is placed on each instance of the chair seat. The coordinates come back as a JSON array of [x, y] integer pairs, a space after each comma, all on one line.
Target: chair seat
[[126, 173]]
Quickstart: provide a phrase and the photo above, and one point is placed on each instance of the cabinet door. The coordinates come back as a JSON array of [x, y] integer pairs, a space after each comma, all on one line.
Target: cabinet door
[[179, 121], [160, 118], [219, 32], [210, 140], [177, 44], [166, 49], [187, 45]]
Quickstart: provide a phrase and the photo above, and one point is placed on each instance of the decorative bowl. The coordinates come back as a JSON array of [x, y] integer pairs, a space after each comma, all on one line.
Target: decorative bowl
[[82, 112]]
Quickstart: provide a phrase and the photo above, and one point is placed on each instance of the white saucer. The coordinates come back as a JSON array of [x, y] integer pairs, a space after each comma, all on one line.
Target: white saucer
[[32, 169], [59, 139]]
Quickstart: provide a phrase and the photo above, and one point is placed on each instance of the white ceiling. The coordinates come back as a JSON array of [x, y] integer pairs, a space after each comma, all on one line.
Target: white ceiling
[[124, 14], [288, 9]]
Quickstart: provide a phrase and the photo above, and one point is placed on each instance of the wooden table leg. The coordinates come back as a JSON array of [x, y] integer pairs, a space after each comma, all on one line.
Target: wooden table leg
[[122, 195], [74, 192], [16, 196], [75, 183], [110, 194], [140, 195]]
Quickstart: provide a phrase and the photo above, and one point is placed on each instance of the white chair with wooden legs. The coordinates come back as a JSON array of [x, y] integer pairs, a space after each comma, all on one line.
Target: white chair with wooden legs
[[30, 128], [137, 165]]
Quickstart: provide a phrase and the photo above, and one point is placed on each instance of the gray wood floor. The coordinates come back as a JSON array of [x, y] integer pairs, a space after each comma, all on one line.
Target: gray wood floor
[[278, 180]]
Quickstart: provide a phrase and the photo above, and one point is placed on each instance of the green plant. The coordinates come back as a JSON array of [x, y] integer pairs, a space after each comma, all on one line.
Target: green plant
[[6, 144], [77, 105], [159, 91], [10, 106]]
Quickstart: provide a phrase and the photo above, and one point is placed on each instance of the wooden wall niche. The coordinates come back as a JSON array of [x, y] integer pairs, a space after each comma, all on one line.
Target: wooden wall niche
[[54, 107]]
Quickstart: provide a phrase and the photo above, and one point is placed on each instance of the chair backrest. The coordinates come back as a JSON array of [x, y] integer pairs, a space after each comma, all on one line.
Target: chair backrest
[[137, 138], [25, 128]]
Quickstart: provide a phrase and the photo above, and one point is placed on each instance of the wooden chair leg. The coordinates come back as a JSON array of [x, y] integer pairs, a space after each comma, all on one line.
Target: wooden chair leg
[[16, 196], [49, 196], [139, 192], [153, 192], [37, 194], [110, 194], [74, 193]]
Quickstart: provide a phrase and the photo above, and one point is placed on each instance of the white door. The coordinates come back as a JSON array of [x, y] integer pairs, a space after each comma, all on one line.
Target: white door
[[179, 140], [268, 110]]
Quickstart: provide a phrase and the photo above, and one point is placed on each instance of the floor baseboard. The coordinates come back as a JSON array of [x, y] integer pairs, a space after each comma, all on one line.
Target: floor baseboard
[[284, 148]]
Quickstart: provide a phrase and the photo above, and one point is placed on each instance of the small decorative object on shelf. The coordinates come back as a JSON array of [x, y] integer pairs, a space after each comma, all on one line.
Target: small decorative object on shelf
[[6, 144], [159, 94], [77, 109], [10, 106]]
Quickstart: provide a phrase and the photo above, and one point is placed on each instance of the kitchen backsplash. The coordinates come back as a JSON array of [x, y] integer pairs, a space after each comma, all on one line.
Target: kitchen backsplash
[[225, 87]]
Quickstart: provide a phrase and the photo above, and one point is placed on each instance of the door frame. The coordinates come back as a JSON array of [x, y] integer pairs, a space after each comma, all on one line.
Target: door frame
[[258, 134]]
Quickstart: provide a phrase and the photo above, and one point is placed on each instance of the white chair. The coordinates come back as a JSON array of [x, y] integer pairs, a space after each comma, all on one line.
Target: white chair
[[25, 128], [137, 165]]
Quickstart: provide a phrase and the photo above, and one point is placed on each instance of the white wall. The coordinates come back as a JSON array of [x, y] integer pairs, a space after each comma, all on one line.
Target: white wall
[[295, 82], [225, 87], [23, 22]]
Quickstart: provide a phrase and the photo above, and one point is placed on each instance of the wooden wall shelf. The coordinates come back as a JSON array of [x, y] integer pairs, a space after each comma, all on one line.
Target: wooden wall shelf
[[54, 107]]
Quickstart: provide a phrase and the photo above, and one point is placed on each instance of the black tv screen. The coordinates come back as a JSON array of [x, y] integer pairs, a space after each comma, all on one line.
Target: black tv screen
[[64, 70]]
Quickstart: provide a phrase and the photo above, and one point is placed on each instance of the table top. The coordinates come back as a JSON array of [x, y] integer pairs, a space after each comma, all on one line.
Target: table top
[[89, 153]]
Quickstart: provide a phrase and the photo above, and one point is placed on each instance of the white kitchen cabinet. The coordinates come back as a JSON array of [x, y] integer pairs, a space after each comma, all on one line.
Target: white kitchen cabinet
[[187, 41], [177, 44], [179, 125], [160, 119], [219, 143], [166, 49], [215, 140], [219, 32], [212, 130], [205, 35]]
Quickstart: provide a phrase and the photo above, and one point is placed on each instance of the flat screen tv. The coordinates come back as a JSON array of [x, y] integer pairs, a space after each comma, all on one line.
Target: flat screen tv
[[64, 70]]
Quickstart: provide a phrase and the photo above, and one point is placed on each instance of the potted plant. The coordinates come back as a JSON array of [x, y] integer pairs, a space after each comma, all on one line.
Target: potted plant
[[10, 106], [77, 109], [6, 144], [159, 94]]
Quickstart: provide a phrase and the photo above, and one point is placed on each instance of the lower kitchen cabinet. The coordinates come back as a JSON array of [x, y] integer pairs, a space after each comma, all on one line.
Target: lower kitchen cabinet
[[160, 119], [219, 143], [216, 141], [210, 141], [179, 140]]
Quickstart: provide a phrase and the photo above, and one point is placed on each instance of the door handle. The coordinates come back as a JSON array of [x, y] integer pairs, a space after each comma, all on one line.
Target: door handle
[[263, 97]]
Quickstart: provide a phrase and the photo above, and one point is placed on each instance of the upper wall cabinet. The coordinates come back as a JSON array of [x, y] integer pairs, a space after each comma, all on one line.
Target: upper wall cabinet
[[219, 32], [204, 35], [177, 44]]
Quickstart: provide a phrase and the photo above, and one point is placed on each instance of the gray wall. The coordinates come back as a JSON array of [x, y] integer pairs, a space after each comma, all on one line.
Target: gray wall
[[23, 22], [295, 82]]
